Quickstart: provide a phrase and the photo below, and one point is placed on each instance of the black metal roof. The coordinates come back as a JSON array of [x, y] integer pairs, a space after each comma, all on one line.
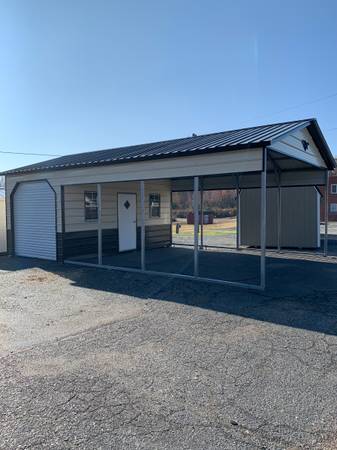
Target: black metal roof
[[188, 146]]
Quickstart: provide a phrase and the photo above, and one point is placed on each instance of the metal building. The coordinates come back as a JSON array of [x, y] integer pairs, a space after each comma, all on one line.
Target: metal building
[[112, 208]]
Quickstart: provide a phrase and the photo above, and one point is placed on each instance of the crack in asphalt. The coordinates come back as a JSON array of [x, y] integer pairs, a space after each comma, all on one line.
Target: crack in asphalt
[[179, 374]]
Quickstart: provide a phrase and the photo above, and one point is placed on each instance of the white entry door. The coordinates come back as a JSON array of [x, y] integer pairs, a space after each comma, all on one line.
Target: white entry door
[[127, 222]]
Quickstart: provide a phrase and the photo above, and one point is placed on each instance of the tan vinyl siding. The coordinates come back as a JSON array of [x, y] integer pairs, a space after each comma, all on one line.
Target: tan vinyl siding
[[300, 217], [226, 162], [74, 204], [214, 163]]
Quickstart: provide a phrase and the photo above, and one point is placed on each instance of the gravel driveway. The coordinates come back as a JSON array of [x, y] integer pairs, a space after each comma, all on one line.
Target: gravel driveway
[[98, 360]]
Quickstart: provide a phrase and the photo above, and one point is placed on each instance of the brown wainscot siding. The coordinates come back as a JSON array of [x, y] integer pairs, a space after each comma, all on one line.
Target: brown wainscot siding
[[79, 243]]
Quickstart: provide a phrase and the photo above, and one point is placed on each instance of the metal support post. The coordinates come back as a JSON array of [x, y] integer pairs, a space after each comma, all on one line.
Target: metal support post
[[196, 225], [279, 212], [142, 224], [201, 217], [326, 213], [238, 238], [263, 220], [99, 222]]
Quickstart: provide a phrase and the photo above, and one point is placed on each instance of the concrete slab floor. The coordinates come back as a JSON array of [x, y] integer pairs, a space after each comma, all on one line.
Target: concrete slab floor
[[223, 264]]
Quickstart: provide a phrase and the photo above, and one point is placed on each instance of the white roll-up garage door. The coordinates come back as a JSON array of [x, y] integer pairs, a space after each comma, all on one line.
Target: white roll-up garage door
[[34, 220]]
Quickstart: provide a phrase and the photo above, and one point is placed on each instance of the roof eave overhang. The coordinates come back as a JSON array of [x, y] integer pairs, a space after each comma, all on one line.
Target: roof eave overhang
[[141, 158], [317, 135]]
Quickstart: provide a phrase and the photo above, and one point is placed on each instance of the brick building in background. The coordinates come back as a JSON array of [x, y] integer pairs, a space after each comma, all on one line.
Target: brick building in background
[[332, 197]]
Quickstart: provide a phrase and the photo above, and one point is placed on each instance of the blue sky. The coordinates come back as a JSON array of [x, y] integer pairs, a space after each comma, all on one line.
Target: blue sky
[[83, 75]]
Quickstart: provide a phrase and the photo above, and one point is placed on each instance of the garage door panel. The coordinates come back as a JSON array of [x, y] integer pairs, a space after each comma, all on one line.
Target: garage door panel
[[35, 220]]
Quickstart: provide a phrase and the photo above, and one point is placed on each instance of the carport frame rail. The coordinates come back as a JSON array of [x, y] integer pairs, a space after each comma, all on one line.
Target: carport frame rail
[[296, 152], [196, 208]]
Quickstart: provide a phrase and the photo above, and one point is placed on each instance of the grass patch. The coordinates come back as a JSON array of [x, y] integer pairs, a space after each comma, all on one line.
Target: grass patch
[[222, 227]]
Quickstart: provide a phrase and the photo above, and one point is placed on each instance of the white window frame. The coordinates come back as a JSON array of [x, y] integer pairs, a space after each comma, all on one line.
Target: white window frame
[[87, 205], [333, 189], [333, 207], [152, 207]]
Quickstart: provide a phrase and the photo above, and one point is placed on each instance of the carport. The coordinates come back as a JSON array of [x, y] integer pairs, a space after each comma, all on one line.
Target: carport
[[278, 156]]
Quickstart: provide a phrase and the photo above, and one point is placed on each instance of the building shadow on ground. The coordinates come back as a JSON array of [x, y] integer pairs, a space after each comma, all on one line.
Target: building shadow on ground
[[300, 293]]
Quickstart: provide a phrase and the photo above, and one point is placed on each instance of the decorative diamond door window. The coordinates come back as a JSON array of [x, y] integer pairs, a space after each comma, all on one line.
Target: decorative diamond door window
[[127, 204]]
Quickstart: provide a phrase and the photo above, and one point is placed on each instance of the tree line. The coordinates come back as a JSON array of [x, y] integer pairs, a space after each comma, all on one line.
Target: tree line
[[222, 203]]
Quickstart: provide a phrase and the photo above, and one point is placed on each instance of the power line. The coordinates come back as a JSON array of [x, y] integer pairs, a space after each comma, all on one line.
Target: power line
[[28, 154], [310, 102]]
